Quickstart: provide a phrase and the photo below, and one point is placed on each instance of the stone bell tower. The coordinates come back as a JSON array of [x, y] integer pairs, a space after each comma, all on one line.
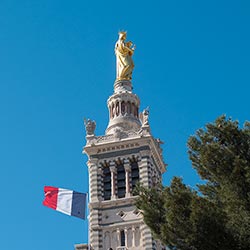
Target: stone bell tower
[[125, 155]]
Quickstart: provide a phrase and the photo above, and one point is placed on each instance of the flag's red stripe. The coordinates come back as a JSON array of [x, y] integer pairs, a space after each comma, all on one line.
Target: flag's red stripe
[[51, 194]]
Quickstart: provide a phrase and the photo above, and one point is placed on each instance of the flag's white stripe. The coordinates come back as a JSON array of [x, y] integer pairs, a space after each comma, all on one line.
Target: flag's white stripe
[[64, 201]]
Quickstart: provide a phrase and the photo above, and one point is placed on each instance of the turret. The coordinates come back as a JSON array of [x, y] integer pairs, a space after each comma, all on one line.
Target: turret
[[123, 108]]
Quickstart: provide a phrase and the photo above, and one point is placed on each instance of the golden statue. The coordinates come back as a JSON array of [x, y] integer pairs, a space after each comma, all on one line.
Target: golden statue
[[124, 63]]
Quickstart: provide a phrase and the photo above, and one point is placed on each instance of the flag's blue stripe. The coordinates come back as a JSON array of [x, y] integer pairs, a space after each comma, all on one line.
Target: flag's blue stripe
[[78, 205]]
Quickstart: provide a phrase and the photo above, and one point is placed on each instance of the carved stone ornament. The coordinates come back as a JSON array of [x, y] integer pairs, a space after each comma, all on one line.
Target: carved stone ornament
[[89, 126], [118, 133], [144, 117]]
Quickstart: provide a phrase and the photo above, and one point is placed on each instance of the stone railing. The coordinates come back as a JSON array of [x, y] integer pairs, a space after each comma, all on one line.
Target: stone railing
[[121, 248], [118, 135]]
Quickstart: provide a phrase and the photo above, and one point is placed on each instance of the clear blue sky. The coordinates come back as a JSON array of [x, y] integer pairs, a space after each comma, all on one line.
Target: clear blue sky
[[57, 66]]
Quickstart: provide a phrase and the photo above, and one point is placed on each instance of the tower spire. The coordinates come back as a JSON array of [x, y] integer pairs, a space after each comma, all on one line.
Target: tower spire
[[123, 105], [117, 161]]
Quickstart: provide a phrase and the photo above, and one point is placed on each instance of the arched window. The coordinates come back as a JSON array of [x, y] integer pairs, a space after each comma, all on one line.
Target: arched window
[[123, 107], [114, 242], [121, 183], [122, 238], [107, 240], [129, 238], [137, 236], [117, 108], [106, 183], [136, 112], [134, 174]]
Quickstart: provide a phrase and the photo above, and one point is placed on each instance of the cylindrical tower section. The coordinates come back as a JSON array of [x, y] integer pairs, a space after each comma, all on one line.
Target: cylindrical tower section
[[123, 106]]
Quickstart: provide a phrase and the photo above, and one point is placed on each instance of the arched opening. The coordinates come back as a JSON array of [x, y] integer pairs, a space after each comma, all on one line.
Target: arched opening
[[137, 236], [123, 107], [137, 111], [135, 177], [117, 108], [107, 240], [106, 183], [121, 183], [122, 238]]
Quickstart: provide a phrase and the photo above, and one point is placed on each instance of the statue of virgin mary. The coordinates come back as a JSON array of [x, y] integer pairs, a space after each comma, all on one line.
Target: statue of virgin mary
[[124, 63]]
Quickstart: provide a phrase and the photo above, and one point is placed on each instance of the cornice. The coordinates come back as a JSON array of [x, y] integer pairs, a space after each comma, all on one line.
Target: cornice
[[109, 143], [113, 203]]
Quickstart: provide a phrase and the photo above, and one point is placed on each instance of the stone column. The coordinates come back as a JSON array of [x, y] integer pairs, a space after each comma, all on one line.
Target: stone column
[[133, 237], [93, 180], [120, 107], [126, 236], [118, 237], [113, 171], [127, 169]]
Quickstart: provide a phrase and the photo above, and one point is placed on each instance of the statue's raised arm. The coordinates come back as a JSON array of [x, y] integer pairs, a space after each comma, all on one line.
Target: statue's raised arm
[[124, 63]]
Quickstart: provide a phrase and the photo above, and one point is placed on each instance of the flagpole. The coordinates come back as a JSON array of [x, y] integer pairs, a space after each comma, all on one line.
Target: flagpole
[[88, 221]]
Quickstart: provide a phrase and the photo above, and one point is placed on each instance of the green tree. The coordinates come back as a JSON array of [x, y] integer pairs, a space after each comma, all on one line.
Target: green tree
[[217, 217]]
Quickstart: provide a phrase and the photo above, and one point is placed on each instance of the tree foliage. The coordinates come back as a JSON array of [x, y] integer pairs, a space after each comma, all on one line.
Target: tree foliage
[[217, 216]]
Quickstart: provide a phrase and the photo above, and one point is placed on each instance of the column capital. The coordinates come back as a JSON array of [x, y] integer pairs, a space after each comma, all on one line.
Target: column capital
[[126, 161], [112, 169], [127, 167], [112, 163], [126, 164]]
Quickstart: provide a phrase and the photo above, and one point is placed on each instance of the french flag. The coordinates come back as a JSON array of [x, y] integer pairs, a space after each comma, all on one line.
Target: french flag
[[65, 201]]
